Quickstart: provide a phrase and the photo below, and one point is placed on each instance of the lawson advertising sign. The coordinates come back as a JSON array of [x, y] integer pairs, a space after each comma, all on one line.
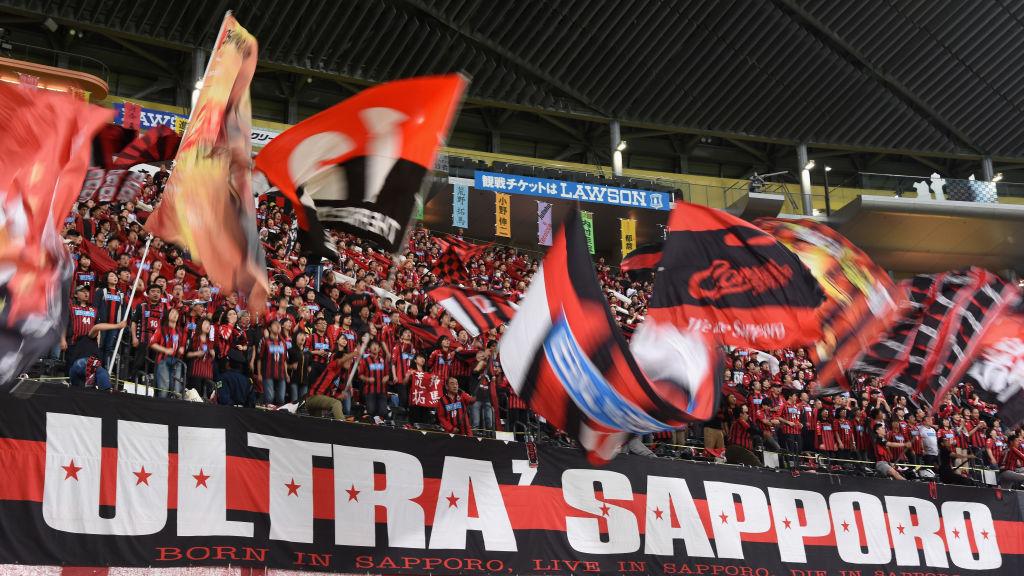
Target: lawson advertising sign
[[595, 193], [152, 117]]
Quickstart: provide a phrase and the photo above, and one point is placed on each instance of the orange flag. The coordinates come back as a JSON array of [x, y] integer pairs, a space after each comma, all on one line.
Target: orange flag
[[207, 204]]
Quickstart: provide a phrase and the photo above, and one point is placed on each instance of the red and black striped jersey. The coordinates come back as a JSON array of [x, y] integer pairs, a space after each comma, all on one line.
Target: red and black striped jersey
[[844, 433], [168, 338], [374, 367], [147, 319], [791, 413], [83, 318], [979, 433], [824, 436], [740, 434], [440, 363], [453, 413], [273, 357], [108, 305], [202, 366], [402, 355], [320, 346]]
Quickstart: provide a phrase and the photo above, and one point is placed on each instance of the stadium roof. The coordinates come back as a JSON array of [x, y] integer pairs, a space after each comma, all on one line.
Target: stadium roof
[[934, 77]]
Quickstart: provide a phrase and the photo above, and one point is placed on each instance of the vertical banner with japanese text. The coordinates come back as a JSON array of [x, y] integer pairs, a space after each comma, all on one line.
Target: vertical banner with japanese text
[[588, 228], [460, 206], [628, 227], [543, 223], [503, 215]]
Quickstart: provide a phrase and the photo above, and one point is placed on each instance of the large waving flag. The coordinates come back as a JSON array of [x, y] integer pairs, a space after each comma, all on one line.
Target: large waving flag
[[721, 275], [477, 311], [566, 358], [860, 298], [359, 165], [997, 370], [645, 258], [207, 204], [932, 342], [158, 144], [44, 152]]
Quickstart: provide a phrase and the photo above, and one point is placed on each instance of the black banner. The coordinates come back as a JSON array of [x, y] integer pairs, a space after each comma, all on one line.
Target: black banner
[[92, 479]]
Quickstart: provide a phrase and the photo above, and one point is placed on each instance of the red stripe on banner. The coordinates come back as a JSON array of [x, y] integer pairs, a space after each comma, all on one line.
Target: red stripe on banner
[[21, 479], [83, 571]]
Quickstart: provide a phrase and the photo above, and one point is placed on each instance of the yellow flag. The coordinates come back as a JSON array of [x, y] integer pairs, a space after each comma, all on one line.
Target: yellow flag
[[628, 226], [502, 215]]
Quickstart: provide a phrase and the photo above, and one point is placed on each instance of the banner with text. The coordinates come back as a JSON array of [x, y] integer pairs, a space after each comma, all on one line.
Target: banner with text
[[628, 227], [595, 193], [588, 228], [543, 223], [149, 117], [460, 205], [90, 479], [503, 215]]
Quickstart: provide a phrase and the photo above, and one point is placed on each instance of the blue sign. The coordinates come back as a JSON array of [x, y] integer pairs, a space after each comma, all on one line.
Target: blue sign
[[460, 206], [149, 117], [594, 193]]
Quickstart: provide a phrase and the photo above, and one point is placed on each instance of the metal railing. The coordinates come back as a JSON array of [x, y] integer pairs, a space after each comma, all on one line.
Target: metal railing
[[55, 58]]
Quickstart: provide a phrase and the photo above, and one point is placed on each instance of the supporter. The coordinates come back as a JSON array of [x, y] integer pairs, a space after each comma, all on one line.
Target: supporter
[[108, 303], [200, 356], [741, 443], [883, 457], [272, 365], [930, 441], [452, 409], [168, 344], [375, 376], [299, 358], [85, 366], [790, 428]]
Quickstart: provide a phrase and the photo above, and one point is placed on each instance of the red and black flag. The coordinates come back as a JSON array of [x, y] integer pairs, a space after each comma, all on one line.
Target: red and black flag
[[644, 258], [110, 140], [101, 260], [158, 144], [428, 334], [477, 311], [41, 172], [466, 250], [450, 268], [724, 276], [926, 351], [997, 369], [359, 165], [566, 358]]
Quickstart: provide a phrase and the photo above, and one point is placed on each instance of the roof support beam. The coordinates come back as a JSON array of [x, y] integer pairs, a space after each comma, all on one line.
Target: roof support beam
[[856, 58]]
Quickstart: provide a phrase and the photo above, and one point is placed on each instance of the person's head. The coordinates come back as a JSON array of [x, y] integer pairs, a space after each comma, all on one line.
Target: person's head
[[445, 342], [171, 317], [204, 326], [82, 294], [231, 317], [452, 385], [179, 273], [823, 414], [320, 325], [374, 347], [84, 262], [300, 339], [274, 328], [153, 292], [879, 428], [419, 361], [346, 322]]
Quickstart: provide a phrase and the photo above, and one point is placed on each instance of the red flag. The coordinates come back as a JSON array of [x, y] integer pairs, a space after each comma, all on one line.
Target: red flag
[[207, 204], [450, 268], [158, 144], [723, 275], [358, 165], [101, 261], [44, 152], [131, 116], [476, 311]]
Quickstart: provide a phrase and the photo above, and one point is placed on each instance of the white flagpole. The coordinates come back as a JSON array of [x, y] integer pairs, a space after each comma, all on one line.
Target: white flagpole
[[128, 311]]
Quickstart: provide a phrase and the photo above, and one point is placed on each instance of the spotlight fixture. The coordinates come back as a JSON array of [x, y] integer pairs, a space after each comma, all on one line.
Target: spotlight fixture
[[997, 177], [828, 168], [621, 146], [809, 165]]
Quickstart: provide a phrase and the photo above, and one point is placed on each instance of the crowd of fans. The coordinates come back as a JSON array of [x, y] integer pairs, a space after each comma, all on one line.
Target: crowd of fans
[[358, 338]]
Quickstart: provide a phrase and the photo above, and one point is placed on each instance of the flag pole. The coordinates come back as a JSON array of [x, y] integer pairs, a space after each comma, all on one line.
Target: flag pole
[[135, 286]]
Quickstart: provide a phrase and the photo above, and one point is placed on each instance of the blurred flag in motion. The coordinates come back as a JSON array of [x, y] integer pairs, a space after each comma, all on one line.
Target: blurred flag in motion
[[644, 258], [722, 275], [359, 165], [929, 347], [566, 358], [477, 311], [997, 369], [158, 144], [861, 300], [207, 203], [45, 142]]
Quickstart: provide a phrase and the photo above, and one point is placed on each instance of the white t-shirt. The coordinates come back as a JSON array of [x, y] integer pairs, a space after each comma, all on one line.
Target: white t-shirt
[[930, 440]]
